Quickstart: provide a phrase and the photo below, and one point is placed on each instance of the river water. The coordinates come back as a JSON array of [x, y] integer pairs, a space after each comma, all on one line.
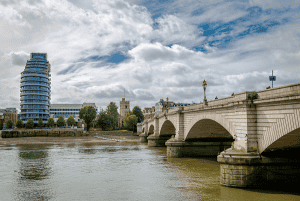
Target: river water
[[132, 171]]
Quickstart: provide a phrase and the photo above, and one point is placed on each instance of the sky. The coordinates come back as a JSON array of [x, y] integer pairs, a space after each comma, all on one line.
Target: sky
[[150, 49]]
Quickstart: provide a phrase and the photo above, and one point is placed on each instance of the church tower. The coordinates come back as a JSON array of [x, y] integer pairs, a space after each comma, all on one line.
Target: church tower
[[124, 107]]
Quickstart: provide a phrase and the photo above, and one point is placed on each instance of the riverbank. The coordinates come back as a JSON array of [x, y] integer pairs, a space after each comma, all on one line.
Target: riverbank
[[99, 138]]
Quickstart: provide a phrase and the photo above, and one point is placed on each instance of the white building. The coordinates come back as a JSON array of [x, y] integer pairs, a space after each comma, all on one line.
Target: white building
[[66, 110]]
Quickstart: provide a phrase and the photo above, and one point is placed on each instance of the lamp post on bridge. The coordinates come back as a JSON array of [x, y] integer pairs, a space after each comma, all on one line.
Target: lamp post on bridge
[[204, 87], [167, 104]]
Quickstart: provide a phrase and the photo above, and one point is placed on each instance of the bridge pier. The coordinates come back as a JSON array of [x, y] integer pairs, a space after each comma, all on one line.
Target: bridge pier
[[143, 137], [240, 169], [179, 148], [157, 141]]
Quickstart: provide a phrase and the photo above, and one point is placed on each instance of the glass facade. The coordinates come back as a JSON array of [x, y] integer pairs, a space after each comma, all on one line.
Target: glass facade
[[35, 88]]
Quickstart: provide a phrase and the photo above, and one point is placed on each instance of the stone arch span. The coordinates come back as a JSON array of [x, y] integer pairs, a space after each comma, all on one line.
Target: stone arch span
[[207, 129], [283, 134], [143, 130], [151, 129], [167, 128], [216, 118]]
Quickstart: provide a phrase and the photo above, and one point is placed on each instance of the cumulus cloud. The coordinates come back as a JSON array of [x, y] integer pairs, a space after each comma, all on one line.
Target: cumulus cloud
[[166, 49]]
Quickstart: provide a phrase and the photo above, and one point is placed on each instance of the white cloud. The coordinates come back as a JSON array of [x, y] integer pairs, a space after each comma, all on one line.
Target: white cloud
[[277, 4], [72, 33]]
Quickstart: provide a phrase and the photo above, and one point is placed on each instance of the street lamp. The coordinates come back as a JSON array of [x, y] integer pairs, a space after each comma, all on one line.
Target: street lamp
[[167, 104], [204, 87]]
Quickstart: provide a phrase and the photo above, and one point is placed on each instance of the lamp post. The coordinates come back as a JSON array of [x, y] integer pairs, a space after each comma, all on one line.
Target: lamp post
[[204, 87], [167, 104]]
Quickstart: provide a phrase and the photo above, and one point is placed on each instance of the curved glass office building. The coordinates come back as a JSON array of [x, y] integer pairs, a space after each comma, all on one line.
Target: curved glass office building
[[35, 88]]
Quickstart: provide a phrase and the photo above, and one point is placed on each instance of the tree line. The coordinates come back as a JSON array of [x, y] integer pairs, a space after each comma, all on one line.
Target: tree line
[[107, 119]]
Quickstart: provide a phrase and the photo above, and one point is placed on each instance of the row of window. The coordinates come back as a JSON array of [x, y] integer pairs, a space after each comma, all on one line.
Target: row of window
[[34, 106], [28, 74], [63, 113], [35, 92], [64, 116], [29, 110], [35, 97], [64, 109], [28, 79]]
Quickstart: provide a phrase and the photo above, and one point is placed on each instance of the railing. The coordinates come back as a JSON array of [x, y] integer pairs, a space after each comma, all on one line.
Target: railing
[[35, 103], [34, 89], [33, 98], [29, 84], [33, 74], [31, 92]]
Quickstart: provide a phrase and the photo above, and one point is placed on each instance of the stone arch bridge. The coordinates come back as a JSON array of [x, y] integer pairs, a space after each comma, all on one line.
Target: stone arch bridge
[[244, 133]]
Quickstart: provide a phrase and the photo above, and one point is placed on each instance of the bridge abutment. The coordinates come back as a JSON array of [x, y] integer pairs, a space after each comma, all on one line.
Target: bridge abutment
[[179, 148], [157, 141], [143, 137], [253, 170]]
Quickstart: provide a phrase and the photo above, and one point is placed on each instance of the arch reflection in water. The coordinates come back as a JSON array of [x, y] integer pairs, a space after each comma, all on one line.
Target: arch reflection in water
[[34, 170]]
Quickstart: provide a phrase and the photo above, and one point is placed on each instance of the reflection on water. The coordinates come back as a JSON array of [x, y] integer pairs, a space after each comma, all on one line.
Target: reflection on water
[[119, 171], [33, 168]]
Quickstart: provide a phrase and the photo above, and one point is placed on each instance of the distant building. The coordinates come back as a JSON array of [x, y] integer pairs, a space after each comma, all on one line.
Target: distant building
[[124, 109], [160, 107], [6, 114], [35, 88], [67, 110], [148, 112]]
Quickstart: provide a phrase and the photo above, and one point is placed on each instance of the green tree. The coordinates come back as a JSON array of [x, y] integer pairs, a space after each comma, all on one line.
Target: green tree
[[29, 124], [40, 122], [50, 122], [112, 111], [128, 114], [9, 123], [71, 121], [19, 123], [61, 121], [104, 121], [138, 113], [88, 114], [131, 122]]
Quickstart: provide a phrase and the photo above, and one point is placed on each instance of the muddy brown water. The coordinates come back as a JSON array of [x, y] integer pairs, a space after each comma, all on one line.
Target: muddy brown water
[[89, 168]]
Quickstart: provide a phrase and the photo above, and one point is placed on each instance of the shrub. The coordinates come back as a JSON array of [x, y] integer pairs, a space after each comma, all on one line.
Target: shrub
[[9, 123], [61, 121], [19, 123], [50, 122], [29, 124], [40, 122], [71, 121]]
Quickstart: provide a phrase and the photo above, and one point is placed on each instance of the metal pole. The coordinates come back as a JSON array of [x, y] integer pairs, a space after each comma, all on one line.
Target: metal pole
[[272, 79]]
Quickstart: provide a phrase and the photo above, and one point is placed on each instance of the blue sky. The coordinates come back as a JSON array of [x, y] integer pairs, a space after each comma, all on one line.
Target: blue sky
[[151, 49]]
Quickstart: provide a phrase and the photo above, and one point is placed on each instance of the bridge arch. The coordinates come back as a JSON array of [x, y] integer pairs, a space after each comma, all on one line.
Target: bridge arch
[[151, 129], [283, 134], [207, 129], [143, 130], [167, 128], [222, 124]]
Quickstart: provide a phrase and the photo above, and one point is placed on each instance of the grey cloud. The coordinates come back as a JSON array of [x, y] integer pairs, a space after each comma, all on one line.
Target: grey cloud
[[82, 84], [119, 5], [19, 59], [86, 4], [7, 2], [72, 68], [143, 95], [34, 2]]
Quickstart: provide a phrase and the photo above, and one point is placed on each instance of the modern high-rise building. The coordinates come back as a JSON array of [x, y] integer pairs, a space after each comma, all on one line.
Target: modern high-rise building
[[36, 88]]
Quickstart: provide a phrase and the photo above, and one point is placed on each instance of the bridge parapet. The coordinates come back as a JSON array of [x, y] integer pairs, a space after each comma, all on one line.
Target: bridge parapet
[[280, 92]]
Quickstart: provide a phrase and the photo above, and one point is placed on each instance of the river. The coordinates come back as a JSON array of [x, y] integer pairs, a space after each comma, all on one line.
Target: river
[[132, 171]]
